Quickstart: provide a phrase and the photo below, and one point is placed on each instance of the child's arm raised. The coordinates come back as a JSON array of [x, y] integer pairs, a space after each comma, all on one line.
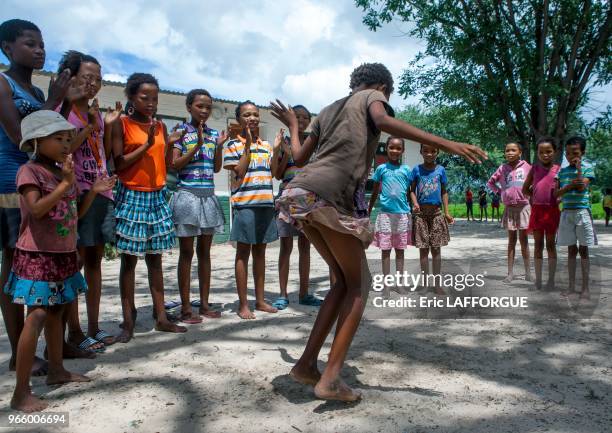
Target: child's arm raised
[[40, 206], [180, 159], [279, 164], [110, 118], [101, 184], [124, 161], [219, 150], [245, 159], [397, 128], [299, 152]]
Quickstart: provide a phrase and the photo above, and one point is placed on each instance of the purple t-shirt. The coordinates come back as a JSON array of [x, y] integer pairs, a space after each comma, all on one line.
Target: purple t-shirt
[[544, 185], [86, 167]]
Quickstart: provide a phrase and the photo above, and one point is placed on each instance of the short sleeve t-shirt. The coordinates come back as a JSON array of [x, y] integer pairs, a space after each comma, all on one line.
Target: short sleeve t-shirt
[[429, 184], [395, 181], [200, 171], [255, 189], [575, 199], [347, 141], [290, 171], [56, 232], [88, 166], [543, 192]]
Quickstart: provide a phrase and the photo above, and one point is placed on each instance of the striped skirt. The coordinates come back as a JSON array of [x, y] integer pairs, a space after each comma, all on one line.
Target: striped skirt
[[144, 222]]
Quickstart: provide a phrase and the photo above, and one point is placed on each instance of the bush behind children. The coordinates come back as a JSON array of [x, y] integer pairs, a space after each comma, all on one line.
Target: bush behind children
[[66, 185]]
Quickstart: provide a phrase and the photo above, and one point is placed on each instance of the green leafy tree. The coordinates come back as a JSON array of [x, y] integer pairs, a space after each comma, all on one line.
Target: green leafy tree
[[527, 65]]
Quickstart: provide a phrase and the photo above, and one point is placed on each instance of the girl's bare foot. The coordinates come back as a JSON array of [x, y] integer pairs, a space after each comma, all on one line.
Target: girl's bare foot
[[585, 294], [169, 327], [245, 313], [210, 314], [190, 318], [126, 335], [509, 278], [65, 376], [72, 352], [307, 376], [265, 307], [28, 403], [337, 390]]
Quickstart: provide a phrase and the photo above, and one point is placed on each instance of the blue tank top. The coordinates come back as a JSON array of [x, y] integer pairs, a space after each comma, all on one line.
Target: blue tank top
[[11, 158]]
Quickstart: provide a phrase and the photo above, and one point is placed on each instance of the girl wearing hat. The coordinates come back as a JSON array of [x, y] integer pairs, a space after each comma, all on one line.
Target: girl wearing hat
[[45, 274]]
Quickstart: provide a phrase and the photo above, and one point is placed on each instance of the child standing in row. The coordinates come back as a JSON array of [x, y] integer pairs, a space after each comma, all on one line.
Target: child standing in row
[[393, 222], [141, 149], [544, 219], [429, 199], [45, 274], [285, 169], [90, 152], [511, 176], [495, 200], [469, 203], [576, 229], [482, 202], [248, 159], [321, 201], [196, 210], [22, 44], [607, 204]]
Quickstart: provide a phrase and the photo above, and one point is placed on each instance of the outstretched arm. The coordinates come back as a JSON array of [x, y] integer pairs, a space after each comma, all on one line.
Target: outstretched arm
[[300, 153]]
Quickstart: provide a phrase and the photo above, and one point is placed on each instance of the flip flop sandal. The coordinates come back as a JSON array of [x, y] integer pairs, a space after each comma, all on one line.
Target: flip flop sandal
[[311, 301], [87, 344], [281, 303], [169, 305], [101, 335], [198, 303]]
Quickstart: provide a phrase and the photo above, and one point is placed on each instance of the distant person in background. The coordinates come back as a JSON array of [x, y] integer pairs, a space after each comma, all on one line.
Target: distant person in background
[[495, 199], [607, 204], [482, 201], [469, 203]]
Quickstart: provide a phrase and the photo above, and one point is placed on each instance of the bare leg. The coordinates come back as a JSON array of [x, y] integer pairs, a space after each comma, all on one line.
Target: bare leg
[[127, 276], [551, 250], [305, 370], [156, 285], [204, 271], [386, 261], [243, 251], [92, 263], [259, 275], [286, 246], [399, 260], [584, 265], [524, 240], [572, 252], [304, 264], [23, 400], [424, 261], [512, 236], [436, 262], [538, 239], [184, 279]]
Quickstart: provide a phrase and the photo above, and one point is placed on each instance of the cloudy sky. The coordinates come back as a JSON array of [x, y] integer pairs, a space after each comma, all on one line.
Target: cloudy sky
[[301, 51]]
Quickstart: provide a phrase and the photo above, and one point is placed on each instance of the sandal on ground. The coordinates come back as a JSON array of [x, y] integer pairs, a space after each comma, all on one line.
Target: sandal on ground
[[281, 303], [197, 303], [87, 344], [104, 337], [169, 305], [310, 300], [191, 319]]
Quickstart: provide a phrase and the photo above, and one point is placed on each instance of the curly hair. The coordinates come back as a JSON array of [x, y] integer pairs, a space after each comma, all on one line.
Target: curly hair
[[10, 30], [195, 92], [577, 140], [136, 80], [242, 104], [72, 60], [301, 107], [371, 73]]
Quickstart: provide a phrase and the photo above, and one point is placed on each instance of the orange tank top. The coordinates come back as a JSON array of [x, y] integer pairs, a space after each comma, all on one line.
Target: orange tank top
[[149, 172]]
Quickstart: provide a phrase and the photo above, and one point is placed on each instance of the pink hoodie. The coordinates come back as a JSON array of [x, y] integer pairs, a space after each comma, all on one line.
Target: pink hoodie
[[510, 182]]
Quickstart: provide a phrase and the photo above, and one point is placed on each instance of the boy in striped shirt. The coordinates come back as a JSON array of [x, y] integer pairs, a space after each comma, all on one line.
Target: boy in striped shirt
[[576, 229]]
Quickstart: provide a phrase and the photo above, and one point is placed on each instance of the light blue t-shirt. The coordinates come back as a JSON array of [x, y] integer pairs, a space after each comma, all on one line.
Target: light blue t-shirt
[[429, 184], [396, 180]]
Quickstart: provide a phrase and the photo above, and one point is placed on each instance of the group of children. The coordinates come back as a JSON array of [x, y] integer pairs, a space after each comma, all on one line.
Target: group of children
[[483, 203], [59, 205]]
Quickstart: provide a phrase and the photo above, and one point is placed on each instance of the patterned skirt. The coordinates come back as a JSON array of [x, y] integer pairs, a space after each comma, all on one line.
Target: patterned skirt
[[144, 222], [298, 206], [44, 279], [393, 230], [196, 212]]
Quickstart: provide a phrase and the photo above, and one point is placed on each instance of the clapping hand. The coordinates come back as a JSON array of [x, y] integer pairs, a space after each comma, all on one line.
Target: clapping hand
[[104, 183], [112, 115]]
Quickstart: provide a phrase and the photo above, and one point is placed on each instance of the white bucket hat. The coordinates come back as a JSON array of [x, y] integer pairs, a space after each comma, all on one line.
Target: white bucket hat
[[41, 124]]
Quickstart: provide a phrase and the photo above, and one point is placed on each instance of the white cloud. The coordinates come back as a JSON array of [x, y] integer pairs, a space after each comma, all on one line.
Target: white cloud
[[300, 51]]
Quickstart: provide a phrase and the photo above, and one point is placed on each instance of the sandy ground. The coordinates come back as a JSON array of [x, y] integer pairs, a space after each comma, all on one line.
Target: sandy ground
[[533, 374]]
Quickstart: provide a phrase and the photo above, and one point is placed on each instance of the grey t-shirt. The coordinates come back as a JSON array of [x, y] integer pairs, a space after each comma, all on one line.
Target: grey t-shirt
[[347, 142]]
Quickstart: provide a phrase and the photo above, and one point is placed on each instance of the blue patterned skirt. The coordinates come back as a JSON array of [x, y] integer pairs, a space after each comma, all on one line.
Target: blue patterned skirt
[[44, 293], [144, 222]]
